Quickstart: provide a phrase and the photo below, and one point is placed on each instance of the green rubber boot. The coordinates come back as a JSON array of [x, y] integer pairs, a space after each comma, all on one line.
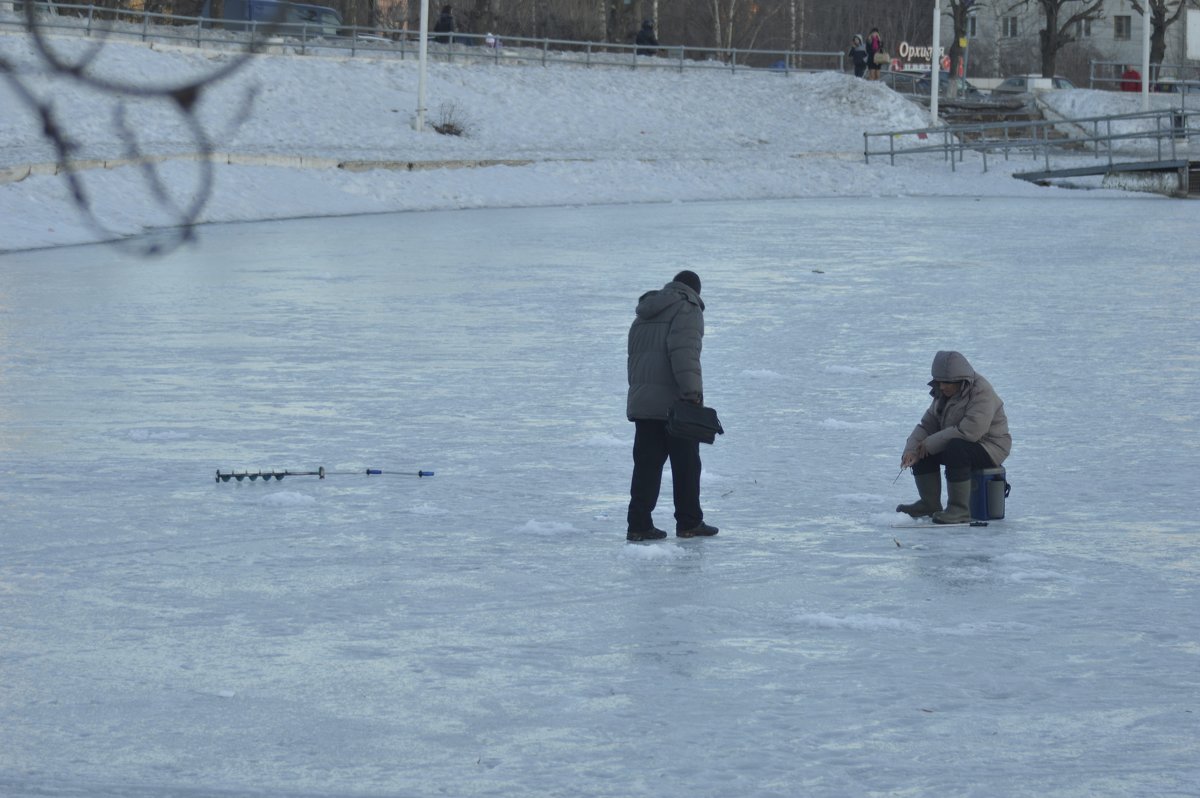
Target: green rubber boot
[[958, 504], [929, 488]]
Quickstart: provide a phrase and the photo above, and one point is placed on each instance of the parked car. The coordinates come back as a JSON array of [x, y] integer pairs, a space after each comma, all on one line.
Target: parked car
[[1028, 84], [966, 90], [905, 82], [288, 16], [1176, 86], [901, 81]]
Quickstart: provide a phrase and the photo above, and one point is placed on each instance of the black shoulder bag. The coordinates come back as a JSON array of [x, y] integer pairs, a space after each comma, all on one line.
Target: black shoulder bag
[[694, 422]]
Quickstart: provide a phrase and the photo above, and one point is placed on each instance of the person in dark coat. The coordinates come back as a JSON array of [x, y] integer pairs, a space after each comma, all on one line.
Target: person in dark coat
[[646, 41], [965, 428], [444, 25], [858, 52], [664, 367]]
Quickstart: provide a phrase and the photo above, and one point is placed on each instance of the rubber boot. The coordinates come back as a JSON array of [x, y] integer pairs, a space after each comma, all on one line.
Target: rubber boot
[[929, 487], [958, 504]]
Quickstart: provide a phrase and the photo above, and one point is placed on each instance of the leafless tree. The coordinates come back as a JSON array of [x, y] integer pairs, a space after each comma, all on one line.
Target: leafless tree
[[958, 11], [1060, 26], [1163, 14], [182, 98]]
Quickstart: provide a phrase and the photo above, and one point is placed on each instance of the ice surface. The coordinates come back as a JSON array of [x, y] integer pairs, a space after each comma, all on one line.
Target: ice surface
[[488, 631]]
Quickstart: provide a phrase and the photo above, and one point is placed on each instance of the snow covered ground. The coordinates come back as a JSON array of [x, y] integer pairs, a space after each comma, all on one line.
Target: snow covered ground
[[487, 631], [586, 136]]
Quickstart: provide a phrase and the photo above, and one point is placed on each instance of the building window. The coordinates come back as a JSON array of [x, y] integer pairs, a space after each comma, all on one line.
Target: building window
[[1083, 29], [1009, 29], [1123, 28]]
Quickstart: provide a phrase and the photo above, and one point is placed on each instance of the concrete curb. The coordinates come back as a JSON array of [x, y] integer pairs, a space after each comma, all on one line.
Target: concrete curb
[[15, 174]]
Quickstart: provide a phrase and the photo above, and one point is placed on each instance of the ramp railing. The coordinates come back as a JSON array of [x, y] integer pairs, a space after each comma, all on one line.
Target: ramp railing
[[1158, 135]]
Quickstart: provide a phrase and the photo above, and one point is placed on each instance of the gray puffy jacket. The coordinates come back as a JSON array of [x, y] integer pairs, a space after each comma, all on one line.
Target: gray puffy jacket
[[974, 414], [664, 352]]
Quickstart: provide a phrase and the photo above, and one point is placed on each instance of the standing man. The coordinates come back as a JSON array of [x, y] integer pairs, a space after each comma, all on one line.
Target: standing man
[[646, 41], [965, 428], [444, 25], [664, 366]]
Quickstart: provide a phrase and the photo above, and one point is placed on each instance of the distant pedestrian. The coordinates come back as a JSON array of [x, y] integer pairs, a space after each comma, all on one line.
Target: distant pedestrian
[[965, 428], [877, 55], [444, 25], [1131, 80], [664, 368], [858, 52], [646, 41]]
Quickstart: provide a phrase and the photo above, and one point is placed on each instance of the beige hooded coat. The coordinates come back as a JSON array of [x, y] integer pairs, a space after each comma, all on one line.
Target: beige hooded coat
[[974, 414]]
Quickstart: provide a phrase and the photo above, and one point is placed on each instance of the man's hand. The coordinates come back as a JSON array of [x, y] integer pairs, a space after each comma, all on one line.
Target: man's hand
[[909, 458]]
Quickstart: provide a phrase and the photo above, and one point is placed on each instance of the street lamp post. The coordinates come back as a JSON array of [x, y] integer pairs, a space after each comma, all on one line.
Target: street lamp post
[[1147, 21], [423, 52], [935, 61]]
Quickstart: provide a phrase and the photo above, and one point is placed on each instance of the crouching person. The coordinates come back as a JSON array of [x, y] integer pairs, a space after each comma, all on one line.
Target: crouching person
[[964, 429]]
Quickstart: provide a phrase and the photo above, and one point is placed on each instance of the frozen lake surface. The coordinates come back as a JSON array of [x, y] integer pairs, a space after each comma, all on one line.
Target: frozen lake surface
[[488, 631]]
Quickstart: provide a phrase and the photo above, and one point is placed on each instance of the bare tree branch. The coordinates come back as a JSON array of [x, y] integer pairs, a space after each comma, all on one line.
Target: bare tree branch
[[182, 97]]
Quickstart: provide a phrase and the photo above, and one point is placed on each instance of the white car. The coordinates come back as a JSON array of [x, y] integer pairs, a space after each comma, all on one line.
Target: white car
[[1029, 84]]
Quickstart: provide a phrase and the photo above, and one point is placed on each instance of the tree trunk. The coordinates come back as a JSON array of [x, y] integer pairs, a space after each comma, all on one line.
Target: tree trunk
[[958, 14], [729, 9], [1049, 38], [716, 21], [1158, 32]]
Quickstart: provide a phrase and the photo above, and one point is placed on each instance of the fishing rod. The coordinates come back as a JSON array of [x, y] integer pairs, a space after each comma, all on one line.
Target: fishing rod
[[320, 473]]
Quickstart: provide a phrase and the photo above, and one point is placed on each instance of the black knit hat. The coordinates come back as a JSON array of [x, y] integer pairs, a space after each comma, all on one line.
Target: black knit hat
[[688, 278]]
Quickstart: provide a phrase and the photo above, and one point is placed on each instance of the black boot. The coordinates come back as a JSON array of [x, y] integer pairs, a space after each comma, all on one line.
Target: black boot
[[702, 530], [653, 533], [929, 488]]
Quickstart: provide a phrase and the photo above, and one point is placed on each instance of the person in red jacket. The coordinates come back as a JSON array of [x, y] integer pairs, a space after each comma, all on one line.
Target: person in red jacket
[[1131, 80]]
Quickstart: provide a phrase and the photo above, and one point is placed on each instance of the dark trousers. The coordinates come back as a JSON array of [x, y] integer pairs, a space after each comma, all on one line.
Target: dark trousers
[[959, 457], [652, 446]]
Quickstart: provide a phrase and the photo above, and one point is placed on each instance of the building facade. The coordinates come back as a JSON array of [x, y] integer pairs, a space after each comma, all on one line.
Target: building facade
[[1003, 39]]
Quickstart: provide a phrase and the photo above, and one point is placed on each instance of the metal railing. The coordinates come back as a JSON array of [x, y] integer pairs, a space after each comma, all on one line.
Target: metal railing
[[376, 42], [1147, 136], [1107, 75]]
